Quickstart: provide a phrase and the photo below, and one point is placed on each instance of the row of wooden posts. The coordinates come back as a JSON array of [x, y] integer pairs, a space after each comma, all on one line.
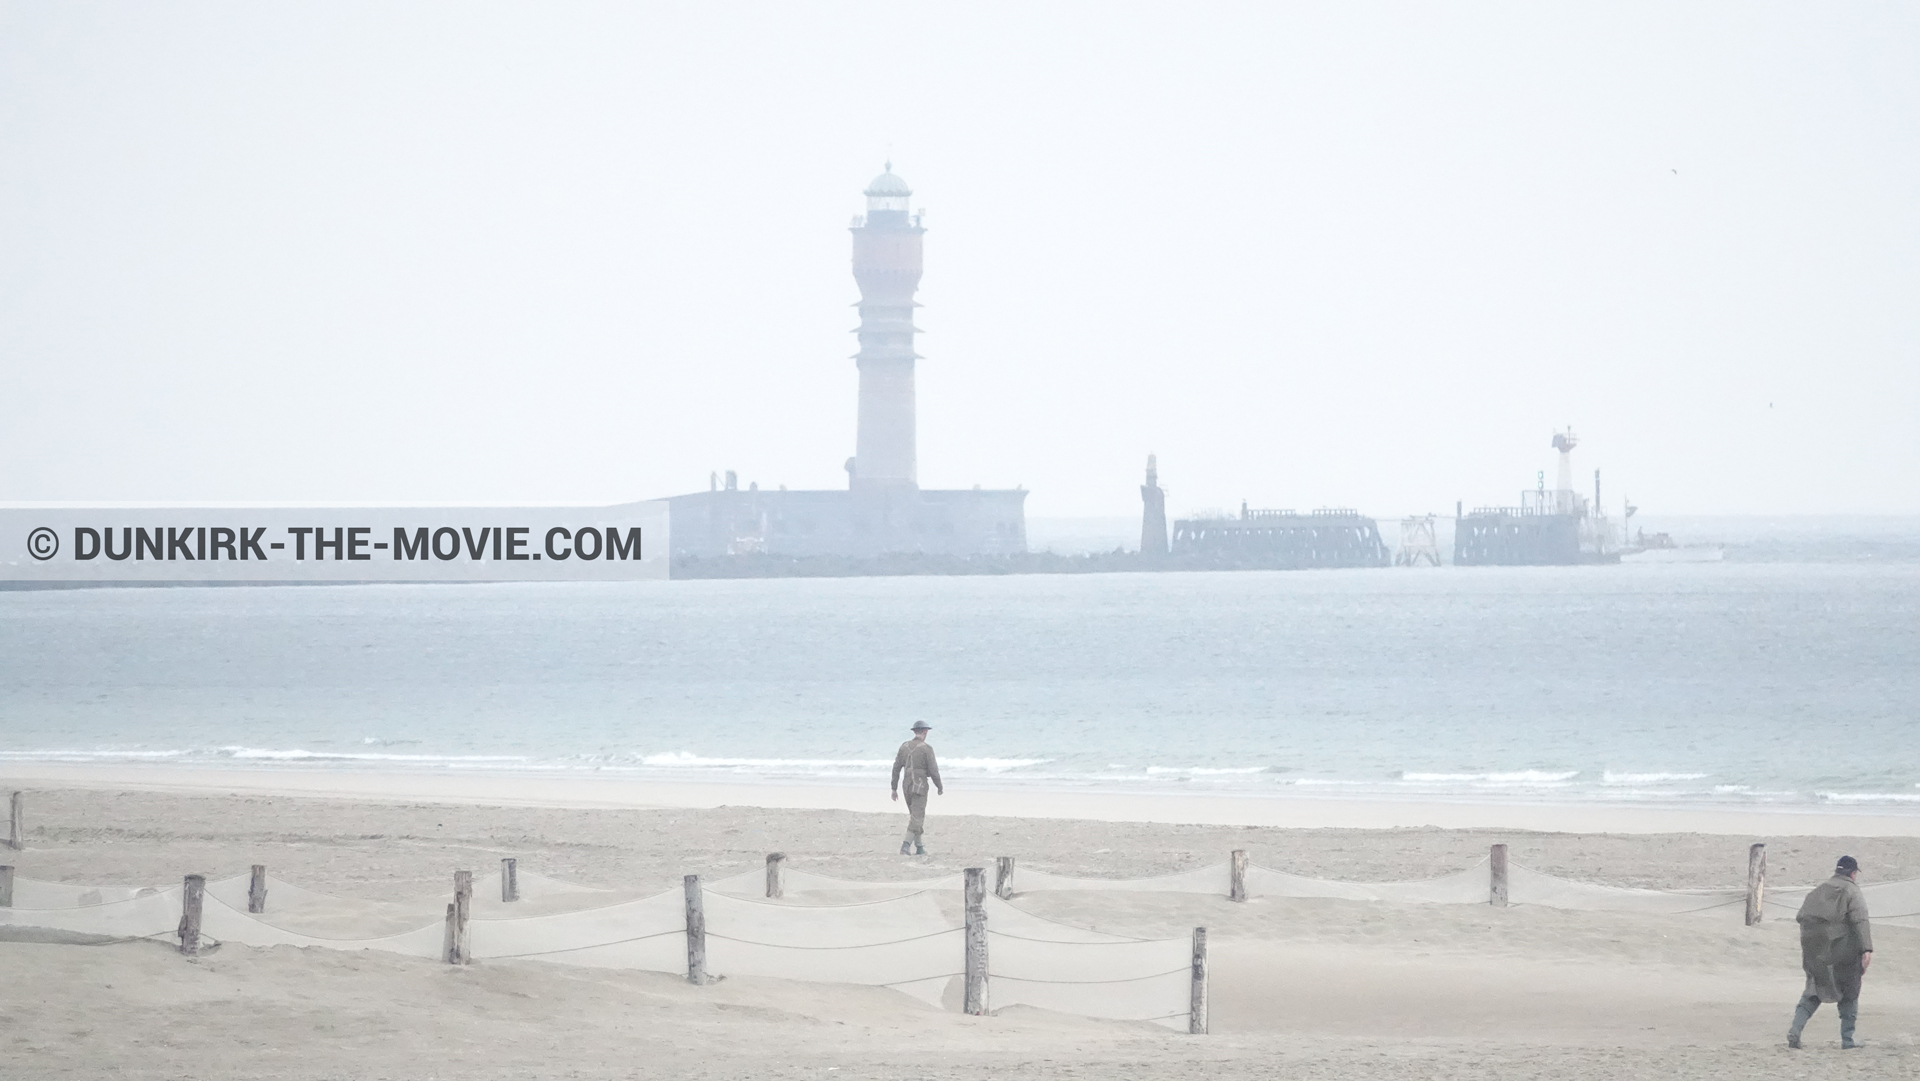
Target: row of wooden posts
[[455, 952], [1003, 875], [456, 948], [1497, 886], [974, 1000]]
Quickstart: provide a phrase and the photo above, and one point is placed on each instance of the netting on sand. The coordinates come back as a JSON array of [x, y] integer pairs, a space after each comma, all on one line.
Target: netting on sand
[[1212, 879], [645, 933], [149, 913], [1468, 886], [300, 910], [1897, 903], [1530, 887], [226, 924], [32, 893], [1038, 962], [1891, 902], [913, 942], [810, 888], [909, 936]]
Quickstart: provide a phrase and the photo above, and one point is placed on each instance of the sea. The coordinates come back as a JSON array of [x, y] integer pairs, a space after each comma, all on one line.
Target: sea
[[1740, 682]]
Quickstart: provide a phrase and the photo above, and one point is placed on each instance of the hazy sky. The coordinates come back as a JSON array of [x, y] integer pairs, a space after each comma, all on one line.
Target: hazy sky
[[1354, 254]]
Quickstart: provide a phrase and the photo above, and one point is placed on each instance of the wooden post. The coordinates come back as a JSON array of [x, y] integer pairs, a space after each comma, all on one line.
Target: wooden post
[[16, 829], [509, 879], [257, 889], [696, 933], [446, 944], [462, 909], [6, 886], [1497, 882], [1237, 884], [776, 878], [1003, 877], [190, 914], [1197, 1003], [1756, 882], [976, 966]]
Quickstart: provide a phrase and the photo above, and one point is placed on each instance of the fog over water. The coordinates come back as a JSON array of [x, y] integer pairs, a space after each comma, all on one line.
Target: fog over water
[[1727, 683], [1311, 255]]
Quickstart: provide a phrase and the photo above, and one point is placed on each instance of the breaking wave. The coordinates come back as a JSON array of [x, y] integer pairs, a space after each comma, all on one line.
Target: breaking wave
[[1525, 777], [1610, 777], [1036, 772], [686, 760]]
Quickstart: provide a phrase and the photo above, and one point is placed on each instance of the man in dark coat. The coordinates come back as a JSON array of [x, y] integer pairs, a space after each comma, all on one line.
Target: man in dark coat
[[915, 759], [1836, 946]]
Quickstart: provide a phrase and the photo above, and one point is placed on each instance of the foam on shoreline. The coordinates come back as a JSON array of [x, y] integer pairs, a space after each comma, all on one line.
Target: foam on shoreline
[[577, 790]]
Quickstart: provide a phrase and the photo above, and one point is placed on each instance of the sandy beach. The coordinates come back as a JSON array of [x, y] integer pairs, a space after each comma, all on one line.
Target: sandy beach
[[1302, 987]]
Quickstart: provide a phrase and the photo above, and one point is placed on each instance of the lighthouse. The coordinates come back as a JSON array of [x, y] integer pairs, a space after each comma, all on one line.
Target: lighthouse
[[886, 265], [756, 529]]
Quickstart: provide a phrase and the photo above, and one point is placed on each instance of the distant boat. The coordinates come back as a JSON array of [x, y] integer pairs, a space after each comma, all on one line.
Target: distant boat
[[1660, 548]]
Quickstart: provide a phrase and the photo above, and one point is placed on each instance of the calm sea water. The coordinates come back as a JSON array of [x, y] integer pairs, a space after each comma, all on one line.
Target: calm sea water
[[1777, 683]]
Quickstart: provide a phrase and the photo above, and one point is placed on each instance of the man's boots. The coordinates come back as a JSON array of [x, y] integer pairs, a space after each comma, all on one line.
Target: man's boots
[[1800, 1017], [906, 846], [1849, 1013], [919, 849]]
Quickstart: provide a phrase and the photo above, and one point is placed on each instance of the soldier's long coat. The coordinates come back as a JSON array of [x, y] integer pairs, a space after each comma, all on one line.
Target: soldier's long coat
[[1834, 932]]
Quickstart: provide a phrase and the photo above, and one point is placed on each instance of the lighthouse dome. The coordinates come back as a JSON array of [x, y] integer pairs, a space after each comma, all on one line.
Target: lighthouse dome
[[888, 184], [887, 199]]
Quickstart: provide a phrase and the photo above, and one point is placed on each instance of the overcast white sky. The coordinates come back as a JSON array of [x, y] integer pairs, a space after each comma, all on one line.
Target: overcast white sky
[[1354, 254]]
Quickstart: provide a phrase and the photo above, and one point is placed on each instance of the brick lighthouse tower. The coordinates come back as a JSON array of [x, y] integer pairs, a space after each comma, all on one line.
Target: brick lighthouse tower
[[886, 264]]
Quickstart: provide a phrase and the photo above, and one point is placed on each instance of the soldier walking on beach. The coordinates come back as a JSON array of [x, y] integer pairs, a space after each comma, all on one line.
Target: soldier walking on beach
[[917, 762], [1836, 946]]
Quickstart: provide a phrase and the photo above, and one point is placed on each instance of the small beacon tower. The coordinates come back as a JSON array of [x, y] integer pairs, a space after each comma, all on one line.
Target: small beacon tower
[[1153, 517], [886, 264]]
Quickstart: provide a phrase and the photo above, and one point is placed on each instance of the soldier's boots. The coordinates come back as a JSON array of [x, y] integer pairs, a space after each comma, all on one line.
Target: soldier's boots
[[906, 848], [919, 849], [1847, 1019], [1801, 1016]]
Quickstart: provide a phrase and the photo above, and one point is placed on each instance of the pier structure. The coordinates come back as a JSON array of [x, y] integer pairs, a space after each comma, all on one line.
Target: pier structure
[[1280, 540], [1522, 536], [753, 521], [1418, 542], [1547, 528]]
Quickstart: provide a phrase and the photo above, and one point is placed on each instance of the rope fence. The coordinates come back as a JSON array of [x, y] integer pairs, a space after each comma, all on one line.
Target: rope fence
[[786, 923]]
